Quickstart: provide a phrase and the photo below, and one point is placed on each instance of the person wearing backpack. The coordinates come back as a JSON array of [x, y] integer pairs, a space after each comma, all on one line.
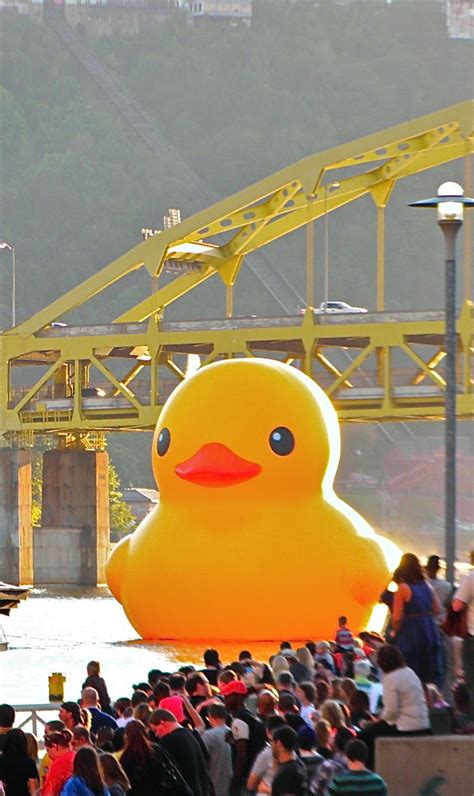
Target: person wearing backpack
[[247, 734]]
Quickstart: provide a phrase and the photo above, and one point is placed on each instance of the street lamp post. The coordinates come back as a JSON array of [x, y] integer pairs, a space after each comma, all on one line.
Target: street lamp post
[[327, 188], [450, 203], [5, 246]]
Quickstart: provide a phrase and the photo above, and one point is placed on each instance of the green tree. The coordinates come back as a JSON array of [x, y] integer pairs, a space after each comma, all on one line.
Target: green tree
[[36, 487], [122, 520]]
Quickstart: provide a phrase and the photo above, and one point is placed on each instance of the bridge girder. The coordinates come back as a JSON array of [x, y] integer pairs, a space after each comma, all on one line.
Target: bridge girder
[[215, 241]]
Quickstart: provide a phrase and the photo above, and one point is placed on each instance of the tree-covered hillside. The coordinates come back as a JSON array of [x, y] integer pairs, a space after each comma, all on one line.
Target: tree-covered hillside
[[238, 103]]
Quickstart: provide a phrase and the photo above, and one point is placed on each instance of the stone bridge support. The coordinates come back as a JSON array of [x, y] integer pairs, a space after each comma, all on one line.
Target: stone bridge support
[[16, 539], [72, 544]]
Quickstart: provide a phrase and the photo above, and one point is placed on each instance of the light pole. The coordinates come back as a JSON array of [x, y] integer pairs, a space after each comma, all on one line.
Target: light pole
[[450, 203], [5, 246], [329, 186]]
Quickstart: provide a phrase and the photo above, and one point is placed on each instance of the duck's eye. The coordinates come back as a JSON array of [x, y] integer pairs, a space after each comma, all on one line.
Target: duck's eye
[[163, 443], [281, 441]]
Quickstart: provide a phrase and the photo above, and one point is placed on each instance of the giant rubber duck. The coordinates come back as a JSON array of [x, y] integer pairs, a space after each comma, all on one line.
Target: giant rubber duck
[[249, 541]]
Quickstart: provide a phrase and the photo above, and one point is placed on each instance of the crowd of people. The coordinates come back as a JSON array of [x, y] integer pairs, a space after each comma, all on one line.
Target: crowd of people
[[303, 724]]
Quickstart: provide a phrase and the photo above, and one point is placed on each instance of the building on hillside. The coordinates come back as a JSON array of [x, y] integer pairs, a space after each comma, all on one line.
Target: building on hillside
[[141, 501], [99, 17], [233, 11], [460, 19]]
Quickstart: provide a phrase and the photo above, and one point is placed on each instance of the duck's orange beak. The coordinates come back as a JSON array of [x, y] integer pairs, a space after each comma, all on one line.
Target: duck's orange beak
[[216, 465]]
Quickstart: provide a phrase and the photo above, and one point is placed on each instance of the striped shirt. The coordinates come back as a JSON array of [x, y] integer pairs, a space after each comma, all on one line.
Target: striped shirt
[[358, 783]]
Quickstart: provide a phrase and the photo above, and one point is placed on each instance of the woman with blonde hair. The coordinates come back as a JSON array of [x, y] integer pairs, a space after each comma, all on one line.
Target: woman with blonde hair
[[332, 712], [304, 656], [323, 736], [279, 664]]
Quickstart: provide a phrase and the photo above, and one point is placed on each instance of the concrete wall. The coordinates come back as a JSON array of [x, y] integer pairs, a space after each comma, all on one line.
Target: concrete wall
[[16, 542], [76, 515], [60, 556], [432, 766]]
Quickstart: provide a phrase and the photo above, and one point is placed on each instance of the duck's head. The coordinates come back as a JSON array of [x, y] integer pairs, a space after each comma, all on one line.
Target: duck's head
[[244, 429]]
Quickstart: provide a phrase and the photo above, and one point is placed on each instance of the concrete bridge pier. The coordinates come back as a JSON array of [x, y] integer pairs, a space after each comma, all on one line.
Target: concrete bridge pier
[[72, 544], [16, 537]]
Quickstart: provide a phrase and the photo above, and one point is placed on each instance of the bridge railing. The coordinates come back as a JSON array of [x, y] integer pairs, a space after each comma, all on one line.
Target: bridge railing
[[32, 718]]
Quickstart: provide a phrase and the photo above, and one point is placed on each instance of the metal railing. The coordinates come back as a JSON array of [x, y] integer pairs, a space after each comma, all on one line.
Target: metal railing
[[29, 718]]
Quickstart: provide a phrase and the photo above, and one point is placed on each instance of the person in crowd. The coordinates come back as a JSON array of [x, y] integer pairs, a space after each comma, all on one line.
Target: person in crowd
[[324, 657], [18, 771], [104, 739], [464, 601], [198, 688], [442, 587], [61, 754], [405, 710], [87, 778], [461, 710], [94, 680], [139, 698], [80, 737], [343, 638], [279, 664], [307, 741], [114, 776], [153, 677], [374, 690], [306, 694], [55, 725], [7, 720], [291, 778], [90, 701], [322, 692], [184, 749], [299, 670], [348, 687], [32, 747], [359, 707], [261, 774], [142, 762], [311, 646], [218, 750], [331, 710], [323, 739], [70, 713], [212, 665], [247, 732], [337, 765], [416, 633], [177, 684], [267, 702], [145, 687], [123, 711], [142, 713], [286, 684], [358, 779]]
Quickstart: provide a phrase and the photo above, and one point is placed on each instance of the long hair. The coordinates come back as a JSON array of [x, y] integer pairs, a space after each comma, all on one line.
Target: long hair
[[137, 745], [113, 771], [86, 766], [410, 569]]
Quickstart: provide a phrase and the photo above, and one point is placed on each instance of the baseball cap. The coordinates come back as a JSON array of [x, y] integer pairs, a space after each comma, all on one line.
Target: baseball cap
[[234, 687]]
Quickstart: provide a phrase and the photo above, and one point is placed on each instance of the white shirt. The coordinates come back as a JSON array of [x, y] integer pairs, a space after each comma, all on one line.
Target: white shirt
[[404, 700], [465, 593]]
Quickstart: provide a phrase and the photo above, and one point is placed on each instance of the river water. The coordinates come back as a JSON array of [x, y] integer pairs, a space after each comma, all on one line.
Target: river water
[[61, 630]]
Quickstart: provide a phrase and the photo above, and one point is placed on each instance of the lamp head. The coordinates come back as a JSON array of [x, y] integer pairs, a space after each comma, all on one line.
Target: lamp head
[[448, 208]]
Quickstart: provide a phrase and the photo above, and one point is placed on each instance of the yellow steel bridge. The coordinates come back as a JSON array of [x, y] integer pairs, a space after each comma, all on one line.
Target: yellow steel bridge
[[81, 381]]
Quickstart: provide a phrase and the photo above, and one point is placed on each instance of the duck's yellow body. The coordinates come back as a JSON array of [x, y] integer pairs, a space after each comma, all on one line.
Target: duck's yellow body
[[249, 541]]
